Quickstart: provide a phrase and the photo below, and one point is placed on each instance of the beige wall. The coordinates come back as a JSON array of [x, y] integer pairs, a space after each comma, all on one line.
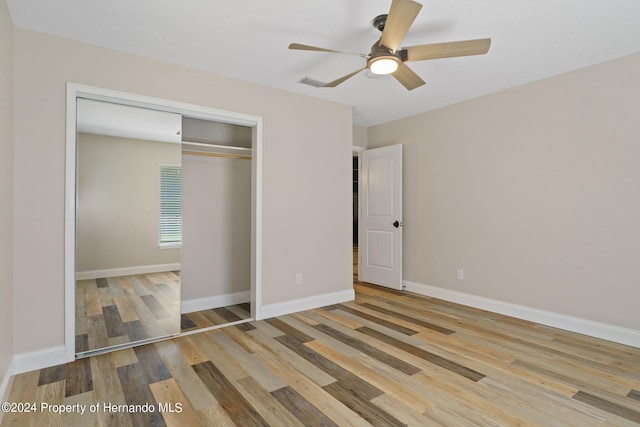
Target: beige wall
[[216, 234], [360, 136], [307, 160], [118, 193], [6, 189], [532, 191]]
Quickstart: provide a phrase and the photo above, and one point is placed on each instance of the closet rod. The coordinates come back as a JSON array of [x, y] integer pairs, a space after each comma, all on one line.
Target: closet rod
[[226, 147], [210, 154]]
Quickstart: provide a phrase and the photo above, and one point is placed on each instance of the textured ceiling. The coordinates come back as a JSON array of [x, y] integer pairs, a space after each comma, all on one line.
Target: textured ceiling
[[248, 39]]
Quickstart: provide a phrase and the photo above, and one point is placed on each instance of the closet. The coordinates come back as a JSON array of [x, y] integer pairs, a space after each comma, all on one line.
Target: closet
[[216, 249], [163, 223]]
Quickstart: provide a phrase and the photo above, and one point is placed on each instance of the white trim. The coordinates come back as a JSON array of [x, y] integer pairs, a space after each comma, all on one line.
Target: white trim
[[174, 245], [188, 110], [39, 359], [143, 101], [198, 304], [605, 331], [127, 271], [308, 303], [5, 384], [70, 223], [256, 220]]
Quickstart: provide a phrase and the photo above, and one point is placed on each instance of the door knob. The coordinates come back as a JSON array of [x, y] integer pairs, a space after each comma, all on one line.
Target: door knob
[[396, 224]]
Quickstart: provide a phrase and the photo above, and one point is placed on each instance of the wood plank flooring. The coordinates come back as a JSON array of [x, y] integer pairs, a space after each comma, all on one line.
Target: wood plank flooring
[[118, 310], [389, 358], [214, 317]]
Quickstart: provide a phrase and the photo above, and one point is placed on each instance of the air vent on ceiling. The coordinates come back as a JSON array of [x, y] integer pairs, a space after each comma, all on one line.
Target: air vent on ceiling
[[312, 82]]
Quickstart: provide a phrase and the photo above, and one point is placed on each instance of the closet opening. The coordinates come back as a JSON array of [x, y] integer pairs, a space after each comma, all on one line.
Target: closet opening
[[217, 226], [216, 211]]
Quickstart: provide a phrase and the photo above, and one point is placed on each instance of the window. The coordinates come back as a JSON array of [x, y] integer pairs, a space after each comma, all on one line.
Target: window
[[170, 205]]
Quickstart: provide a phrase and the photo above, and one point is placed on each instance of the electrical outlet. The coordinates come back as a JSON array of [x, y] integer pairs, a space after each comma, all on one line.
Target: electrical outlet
[[298, 278], [460, 274]]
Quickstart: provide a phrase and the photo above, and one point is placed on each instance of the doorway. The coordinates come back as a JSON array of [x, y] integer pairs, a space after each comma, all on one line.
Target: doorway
[[356, 215], [380, 216]]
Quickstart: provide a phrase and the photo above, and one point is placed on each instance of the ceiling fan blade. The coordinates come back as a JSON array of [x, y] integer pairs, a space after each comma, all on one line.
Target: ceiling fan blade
[[447, 50], [407, 77], [343, 78], [298, 46], [401, 15]]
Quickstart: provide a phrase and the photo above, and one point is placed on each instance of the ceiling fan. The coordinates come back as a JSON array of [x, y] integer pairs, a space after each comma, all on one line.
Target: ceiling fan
[[386, 57]]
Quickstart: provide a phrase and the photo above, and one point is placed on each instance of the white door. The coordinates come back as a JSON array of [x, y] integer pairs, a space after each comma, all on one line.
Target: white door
[[380, 222]]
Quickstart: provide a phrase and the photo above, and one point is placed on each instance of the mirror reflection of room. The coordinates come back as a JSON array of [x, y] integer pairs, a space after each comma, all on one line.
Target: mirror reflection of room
[[128, 225], [163, 225]]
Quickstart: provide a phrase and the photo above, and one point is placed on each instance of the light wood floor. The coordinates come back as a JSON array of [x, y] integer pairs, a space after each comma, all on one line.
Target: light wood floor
[[389, 358], [120, 310], [214, 317]]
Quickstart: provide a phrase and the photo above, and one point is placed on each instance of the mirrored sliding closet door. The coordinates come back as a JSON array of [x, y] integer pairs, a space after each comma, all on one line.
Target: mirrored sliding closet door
[[128, 225]]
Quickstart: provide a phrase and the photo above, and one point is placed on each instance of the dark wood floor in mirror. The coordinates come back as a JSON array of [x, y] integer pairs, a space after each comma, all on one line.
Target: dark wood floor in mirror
[[114, 311]]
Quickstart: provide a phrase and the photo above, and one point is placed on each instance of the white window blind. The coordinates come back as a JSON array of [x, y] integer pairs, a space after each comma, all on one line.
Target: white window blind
[[170, 204]]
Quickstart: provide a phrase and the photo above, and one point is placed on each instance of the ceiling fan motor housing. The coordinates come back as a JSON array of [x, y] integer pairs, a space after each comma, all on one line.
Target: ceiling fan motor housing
[[379, 21], [378, 50]]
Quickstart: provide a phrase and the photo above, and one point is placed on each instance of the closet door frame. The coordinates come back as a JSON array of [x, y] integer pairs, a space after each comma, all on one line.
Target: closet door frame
[[75, 91]]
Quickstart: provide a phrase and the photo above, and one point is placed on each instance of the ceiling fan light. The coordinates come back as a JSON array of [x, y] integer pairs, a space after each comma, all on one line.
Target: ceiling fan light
[[383, 65]]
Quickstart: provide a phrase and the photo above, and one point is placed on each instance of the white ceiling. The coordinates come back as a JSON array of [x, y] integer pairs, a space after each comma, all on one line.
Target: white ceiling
[[124, 121], [248, 39]]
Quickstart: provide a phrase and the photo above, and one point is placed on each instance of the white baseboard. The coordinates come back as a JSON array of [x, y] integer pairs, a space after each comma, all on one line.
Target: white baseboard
[[189, 306], [287, 307], [127, 271], [5, 384], [39, 359], [574, 324]]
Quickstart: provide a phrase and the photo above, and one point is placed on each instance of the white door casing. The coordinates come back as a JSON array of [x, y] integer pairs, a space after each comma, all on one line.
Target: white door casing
[[380, 222]]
